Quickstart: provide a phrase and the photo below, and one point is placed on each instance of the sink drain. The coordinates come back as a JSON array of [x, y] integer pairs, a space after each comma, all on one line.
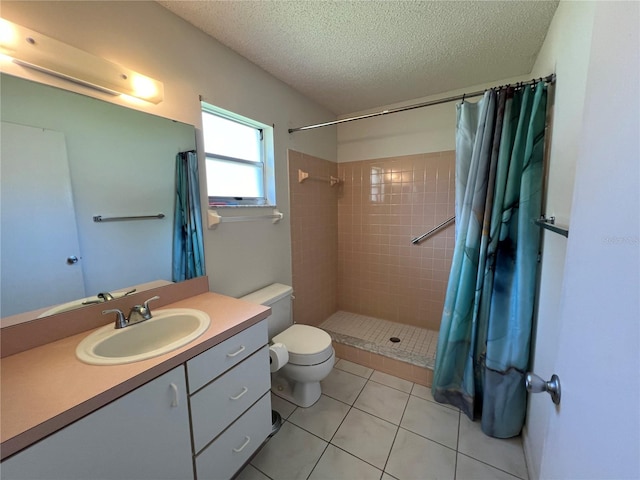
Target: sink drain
[[394, 339]]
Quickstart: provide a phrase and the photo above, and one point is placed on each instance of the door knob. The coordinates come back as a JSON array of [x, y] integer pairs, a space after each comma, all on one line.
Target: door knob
[[535, 384], [72, 259]]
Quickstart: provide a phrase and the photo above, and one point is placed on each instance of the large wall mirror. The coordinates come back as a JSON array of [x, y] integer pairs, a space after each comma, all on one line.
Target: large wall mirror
[[67, 158]]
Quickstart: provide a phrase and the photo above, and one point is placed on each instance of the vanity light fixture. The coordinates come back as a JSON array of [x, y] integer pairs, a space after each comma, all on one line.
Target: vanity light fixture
[[35, 50]]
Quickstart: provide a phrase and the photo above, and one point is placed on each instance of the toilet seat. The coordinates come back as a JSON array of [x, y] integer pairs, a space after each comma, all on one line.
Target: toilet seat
[[306, 345]]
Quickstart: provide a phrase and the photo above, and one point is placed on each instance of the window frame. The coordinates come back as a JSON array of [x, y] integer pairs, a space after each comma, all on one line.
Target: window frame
[[264, 166]]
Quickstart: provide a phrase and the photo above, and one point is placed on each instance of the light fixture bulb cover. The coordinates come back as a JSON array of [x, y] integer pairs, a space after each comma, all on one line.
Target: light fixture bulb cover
[[46, 54]]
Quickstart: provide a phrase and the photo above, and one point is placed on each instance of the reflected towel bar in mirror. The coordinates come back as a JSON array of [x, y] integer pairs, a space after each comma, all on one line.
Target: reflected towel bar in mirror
[[100, 218]]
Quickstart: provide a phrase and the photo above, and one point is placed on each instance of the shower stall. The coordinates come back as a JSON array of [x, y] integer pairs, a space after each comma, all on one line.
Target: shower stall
[[356, 272]]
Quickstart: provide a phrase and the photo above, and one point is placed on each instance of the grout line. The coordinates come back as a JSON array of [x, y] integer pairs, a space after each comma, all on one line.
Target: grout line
[[379, 418], [455, 466], [395, 436], [319, 458], [489, 465], [355, 456], [396, 389]]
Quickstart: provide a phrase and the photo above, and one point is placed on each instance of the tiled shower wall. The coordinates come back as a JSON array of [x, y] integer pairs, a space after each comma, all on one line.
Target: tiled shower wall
[[351, 244], [383, 204], [314, 238]]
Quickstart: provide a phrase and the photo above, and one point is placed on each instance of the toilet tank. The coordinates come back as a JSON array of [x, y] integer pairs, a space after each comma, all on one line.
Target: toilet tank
[[278, 297]]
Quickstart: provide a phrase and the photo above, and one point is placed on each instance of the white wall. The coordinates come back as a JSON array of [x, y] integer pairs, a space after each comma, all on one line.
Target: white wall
[[566, 51], [595, 432], [147, 38]]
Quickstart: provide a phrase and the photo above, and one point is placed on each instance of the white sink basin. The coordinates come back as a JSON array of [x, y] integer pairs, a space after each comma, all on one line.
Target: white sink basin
[[168, 330]]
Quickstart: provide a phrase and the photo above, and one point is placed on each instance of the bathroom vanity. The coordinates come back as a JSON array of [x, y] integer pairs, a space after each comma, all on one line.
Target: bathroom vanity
[[199, 411]]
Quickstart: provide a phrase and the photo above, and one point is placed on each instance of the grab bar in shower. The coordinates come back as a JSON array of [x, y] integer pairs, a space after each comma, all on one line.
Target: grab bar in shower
[[302, 176], [424, 236]]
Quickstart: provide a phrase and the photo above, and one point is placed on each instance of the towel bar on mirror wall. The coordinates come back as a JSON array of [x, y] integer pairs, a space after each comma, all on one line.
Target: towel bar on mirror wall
[[100, 218]]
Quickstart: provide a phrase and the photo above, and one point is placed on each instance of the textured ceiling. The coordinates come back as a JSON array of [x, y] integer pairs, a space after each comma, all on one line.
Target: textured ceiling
[[354, 55]]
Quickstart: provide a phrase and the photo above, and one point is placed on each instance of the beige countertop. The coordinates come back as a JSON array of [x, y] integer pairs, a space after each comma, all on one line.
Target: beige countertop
[[46, 388]]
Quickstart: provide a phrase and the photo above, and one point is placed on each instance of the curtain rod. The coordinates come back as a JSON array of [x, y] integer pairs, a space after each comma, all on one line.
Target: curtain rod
[[548, 79]]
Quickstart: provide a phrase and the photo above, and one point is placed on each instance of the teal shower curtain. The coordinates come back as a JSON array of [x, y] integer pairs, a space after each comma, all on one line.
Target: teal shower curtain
[[485, 332], [188, 245]]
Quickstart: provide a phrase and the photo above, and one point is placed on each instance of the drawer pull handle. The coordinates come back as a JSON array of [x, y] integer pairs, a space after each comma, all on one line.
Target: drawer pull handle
[[240, 350], [174, 390], [244, 390], [246, 442]]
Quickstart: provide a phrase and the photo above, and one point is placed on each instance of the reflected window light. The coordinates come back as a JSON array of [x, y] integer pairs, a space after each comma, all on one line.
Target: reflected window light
[[377, 184]]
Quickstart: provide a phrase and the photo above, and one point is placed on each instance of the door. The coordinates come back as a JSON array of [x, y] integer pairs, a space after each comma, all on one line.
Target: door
[[594, 433], [38, 223]]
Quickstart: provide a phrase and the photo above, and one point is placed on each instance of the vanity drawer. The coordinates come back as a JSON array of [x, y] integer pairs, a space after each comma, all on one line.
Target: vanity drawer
[[224, 457], [217, 360], [218, 404]]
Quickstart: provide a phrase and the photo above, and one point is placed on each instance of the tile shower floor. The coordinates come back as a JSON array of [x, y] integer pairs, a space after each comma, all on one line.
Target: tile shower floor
[[370, 425], [416, 346]]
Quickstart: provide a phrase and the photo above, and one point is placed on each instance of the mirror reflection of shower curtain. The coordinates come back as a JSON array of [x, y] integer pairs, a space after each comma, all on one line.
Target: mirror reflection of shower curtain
[[485, 332], [188, 244]]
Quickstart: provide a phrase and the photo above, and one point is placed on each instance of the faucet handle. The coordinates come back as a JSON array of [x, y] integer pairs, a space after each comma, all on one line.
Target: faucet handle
[[146, 303], [140, 313], [121, 321]]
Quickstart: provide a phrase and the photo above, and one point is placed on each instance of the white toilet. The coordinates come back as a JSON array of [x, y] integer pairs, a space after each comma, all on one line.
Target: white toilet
[[311, 356]]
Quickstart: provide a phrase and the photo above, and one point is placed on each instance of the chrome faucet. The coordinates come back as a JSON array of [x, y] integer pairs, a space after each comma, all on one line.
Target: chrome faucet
[[140, 313], [121, 320], [104, 297], [137, 314]]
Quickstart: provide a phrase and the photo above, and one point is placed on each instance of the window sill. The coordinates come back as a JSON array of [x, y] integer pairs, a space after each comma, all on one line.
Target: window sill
[[218, 207]]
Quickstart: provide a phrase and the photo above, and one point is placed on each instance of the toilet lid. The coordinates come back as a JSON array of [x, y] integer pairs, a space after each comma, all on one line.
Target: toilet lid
[[306, 345]]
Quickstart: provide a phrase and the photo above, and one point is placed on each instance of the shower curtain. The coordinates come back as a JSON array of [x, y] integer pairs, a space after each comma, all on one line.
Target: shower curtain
[[485, 332], [188, 246]]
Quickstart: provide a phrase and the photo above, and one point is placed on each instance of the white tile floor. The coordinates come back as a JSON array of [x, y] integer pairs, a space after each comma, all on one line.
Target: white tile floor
[[370, 425]]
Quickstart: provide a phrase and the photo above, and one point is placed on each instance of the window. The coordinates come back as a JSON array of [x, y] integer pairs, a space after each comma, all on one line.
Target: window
[[239, 155]]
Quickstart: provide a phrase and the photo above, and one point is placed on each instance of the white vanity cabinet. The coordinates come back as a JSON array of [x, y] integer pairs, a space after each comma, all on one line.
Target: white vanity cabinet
[[164, 430], [142, 435], [230, 403]]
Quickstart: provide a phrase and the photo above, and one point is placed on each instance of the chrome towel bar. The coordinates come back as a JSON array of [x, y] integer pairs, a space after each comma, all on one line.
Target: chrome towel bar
[[550, 224], [100, 218], [424, 236]]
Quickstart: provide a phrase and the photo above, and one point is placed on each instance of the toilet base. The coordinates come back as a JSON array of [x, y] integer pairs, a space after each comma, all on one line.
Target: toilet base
[[302, 394]]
